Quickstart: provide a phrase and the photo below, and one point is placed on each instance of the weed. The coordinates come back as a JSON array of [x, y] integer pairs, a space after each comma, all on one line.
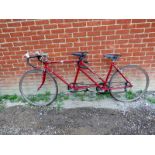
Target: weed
[[40, 97], [59, 101], [82, 96], [103, 96], [130, 95], [11, 98], [59, 105], [151, 100], [66, 97], [107, 94], [2, 106], [99, 97]]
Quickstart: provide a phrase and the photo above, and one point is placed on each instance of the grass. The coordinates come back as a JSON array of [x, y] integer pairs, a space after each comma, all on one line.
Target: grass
[[79, 95], [11, 98], [130, 95], [89, 96], [2, 106], [40, 97], [82, 96], [103, 96], [151, 100], [60, 100]]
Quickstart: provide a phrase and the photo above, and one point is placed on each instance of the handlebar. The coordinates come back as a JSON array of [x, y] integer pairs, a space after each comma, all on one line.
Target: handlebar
[[42, 57]]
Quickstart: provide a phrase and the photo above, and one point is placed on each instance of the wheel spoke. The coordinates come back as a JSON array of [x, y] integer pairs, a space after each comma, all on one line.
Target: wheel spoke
[[119, 87], [29, 88]]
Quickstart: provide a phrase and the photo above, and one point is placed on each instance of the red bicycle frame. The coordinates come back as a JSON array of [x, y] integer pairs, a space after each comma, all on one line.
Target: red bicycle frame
[[82, 67]]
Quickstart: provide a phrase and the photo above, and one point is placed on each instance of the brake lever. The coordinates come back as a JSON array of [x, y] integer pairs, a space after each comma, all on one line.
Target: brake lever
[[38, 53], [27, 55], [28, 62]]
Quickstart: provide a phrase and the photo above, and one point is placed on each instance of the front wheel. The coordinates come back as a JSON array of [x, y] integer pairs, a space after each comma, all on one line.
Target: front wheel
[[35, 91], [122, 90]]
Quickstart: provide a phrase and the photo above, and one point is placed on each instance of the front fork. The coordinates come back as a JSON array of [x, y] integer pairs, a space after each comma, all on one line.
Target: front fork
[[43, 79]]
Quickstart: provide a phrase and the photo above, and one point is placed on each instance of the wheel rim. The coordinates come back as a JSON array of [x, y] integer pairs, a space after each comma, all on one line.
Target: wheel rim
[[30, 83], [138, 78]]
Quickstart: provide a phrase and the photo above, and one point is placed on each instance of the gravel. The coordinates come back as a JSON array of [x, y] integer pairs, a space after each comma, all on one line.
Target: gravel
[[103, 117], [20, 120]]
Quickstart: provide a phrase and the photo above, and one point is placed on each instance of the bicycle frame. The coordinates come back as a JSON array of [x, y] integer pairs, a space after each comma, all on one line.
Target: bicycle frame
[[85, 70]]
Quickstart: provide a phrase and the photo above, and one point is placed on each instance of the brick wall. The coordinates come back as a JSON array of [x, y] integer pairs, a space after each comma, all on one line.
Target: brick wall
[[134, 39]]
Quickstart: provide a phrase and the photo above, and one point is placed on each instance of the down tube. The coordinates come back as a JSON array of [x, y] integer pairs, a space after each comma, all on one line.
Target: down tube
[[89, 78], [58, 76]]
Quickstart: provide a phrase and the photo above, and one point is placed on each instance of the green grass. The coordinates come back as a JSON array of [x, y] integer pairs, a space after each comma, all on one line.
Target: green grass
[[82, 96], [11, 98], [130, 95], [86, 96], [60, 100], [151, 100], [2, 106], [103, 96], [40, 97]]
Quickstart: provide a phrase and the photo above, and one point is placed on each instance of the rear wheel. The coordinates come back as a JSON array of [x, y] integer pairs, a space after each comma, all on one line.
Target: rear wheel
[[119, 87], [31, 81]]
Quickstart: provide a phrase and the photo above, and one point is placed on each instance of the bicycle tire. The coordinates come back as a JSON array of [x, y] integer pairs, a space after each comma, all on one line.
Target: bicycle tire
[[29, 84], [130, 94]]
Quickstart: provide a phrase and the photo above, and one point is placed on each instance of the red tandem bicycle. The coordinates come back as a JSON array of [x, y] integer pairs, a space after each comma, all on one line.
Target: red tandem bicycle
[[39, 87]]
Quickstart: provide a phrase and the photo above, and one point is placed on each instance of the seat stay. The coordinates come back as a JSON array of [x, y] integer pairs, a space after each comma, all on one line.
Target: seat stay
[[123, 76]]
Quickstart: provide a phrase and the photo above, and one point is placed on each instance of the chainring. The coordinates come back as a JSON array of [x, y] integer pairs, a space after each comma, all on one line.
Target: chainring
[[101, 91]]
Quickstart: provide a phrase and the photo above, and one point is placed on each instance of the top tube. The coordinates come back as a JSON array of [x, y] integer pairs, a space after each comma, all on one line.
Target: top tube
[[62, 61]]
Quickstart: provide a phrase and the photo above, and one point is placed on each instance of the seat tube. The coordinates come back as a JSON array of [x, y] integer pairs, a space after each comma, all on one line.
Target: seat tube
[[77, 73], [110, 69]]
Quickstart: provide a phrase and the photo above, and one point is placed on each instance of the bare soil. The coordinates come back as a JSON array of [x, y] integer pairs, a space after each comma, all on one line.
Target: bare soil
[[25, 120]]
